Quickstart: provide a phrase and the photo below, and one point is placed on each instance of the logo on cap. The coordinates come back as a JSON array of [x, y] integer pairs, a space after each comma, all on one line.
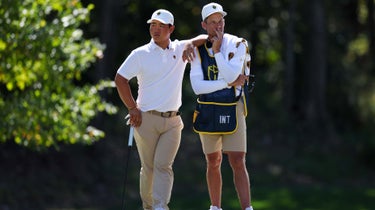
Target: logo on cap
[[211, 8], [163, 16]]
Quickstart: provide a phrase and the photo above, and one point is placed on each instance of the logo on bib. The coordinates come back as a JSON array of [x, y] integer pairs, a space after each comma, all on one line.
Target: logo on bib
[[224, 119]]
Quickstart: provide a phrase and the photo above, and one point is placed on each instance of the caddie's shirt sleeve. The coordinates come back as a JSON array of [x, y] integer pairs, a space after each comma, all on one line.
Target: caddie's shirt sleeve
[[198, 84], [230, 59]]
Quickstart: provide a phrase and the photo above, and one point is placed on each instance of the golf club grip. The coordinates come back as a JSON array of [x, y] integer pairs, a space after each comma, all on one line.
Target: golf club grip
[[131, 134]]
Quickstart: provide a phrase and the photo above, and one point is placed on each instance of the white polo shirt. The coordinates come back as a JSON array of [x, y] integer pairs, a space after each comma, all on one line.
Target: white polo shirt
[[159, 74]]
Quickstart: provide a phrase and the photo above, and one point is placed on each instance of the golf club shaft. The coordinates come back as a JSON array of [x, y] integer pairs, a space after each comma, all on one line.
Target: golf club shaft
[[130, 143], [131, 134]]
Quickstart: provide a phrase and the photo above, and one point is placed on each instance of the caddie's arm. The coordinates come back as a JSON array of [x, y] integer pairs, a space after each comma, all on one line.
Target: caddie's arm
[[198, 84], [231, 68], [241, 79]]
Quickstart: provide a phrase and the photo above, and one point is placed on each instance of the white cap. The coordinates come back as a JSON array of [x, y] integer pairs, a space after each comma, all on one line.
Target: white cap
[[212, 8], [163, 16]]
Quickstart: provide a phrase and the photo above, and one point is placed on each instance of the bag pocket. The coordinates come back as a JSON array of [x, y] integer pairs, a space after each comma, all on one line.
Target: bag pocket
[[215, 118]]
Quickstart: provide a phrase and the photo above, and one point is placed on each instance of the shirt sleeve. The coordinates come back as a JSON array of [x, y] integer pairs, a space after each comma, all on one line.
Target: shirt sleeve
[[230, 69], [198, 84], [129, 67]]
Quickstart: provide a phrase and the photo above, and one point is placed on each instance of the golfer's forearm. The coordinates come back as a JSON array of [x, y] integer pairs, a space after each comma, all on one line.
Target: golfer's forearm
[[127, 98], [199, 40], [124, 92]]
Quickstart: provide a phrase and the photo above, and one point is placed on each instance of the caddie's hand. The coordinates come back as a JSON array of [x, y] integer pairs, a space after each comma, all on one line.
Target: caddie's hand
[[216, 41], [241, 79], [135, 117], [188, 53]]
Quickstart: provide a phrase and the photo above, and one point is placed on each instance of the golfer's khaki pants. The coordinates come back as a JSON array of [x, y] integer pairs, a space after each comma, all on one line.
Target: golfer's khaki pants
[[158, 140]]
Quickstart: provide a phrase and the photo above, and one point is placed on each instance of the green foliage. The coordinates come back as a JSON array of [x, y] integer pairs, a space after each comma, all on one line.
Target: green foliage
[[43, 55]]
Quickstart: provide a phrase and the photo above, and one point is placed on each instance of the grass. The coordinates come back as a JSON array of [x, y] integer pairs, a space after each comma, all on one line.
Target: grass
[[283, 176], [314, 198], [271, 191], [282, 197]]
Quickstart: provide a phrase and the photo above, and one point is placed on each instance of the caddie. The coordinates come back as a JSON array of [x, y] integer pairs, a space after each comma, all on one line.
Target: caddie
[[223, 64]]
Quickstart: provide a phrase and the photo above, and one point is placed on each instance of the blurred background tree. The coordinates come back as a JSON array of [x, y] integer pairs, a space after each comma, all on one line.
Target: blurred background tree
[[44, 99], [310, 128]]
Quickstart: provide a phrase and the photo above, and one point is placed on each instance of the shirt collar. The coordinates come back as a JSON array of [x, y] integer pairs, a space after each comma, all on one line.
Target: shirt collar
[[154, 46]]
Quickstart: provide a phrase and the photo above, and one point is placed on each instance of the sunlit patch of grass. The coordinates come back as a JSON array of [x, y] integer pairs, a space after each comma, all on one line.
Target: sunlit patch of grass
[[262, 204], [313, 198]]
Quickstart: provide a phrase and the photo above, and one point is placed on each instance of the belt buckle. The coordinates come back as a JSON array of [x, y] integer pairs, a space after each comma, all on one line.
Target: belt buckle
[[166, 114]]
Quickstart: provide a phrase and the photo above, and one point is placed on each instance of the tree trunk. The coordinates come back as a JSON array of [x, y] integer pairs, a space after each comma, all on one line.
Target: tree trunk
[[314, 109], [289, 94], [108, 36], [371, 26], [108, 28], [312, 103]]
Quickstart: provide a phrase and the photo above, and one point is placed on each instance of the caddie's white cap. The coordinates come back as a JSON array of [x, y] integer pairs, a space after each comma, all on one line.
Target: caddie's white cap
[[163, 16], [212, 8]]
